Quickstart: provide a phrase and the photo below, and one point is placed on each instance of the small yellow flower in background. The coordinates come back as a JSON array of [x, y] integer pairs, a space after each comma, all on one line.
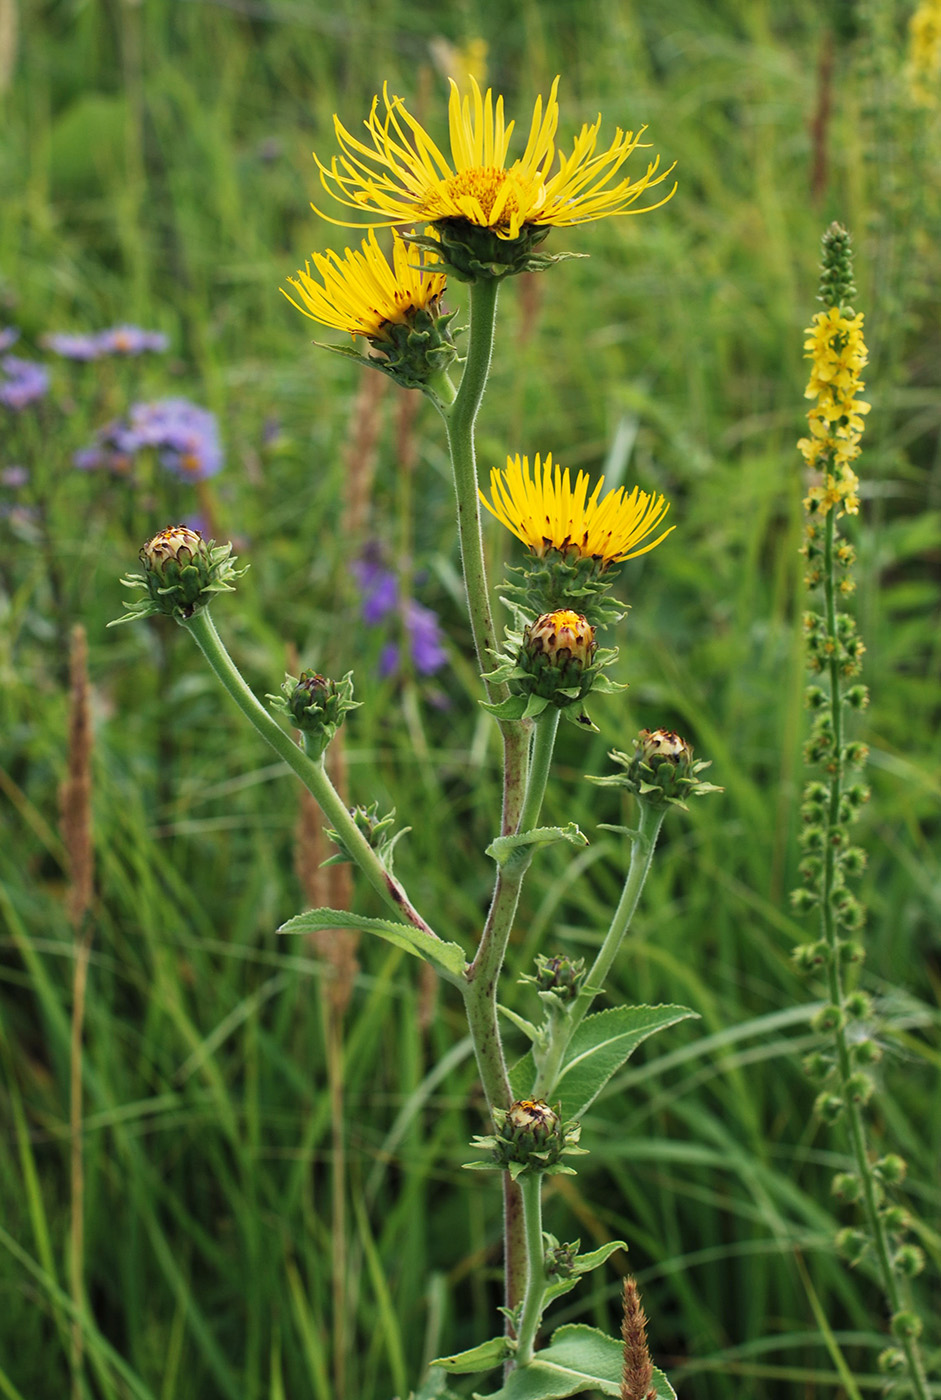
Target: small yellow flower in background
[[838, 354], [924, 53], [402, 176], [362, 293], [543, 509], [465, 63]]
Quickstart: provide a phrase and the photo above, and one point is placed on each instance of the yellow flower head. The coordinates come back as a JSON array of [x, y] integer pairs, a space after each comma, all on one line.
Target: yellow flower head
[[924, 53], [542, 509], [362, 292], [402, 176]]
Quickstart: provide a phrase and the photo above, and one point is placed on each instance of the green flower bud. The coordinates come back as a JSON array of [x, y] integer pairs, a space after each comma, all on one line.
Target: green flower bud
[[661, 771], [816, 1065], [906, 1325], [890, 1169], [890, 1361], [316, 706], [860, 1087], [803, 901], [852, 1245], [867, 1052], [561, 976], [181, 574], [828, 1018], [897, 1219], [847, 1187], [859, 1006], [474, 253], [529, 1136], [829, 1107], [909, 1260], [560, 1258]]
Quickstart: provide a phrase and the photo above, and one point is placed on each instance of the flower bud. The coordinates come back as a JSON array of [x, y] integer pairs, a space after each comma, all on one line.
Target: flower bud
[[529, 1136], [661, 770], [891, 1168], [909, 1260], [316, 706], [829, 1107], [561, 976], [181, 574], [852, 1244], [560, 1258], [906, 1325], [846, 1186], [828, 1018], [556, 649]]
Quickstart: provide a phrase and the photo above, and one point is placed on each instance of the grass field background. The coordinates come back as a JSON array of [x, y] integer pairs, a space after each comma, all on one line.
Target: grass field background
[[155, 167]]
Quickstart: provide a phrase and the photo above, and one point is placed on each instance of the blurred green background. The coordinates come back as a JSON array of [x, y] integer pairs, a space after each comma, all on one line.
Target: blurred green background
[[273, 1201]]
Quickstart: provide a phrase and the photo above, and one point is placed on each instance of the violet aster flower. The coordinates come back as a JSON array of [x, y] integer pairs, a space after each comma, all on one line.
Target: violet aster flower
[[71, 346], [185, 435], [22, 382], [9, 335], [130, 340]]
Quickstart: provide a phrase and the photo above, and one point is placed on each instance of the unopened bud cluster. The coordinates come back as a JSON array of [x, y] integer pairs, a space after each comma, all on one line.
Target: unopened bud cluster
[[528, 1137], [378, 831]]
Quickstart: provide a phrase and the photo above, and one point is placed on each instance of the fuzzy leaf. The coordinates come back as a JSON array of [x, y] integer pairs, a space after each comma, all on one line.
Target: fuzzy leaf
[[578, 1358], [479, 1358], [598, 1049], [520, 1022], [447, 958], [503, 847]]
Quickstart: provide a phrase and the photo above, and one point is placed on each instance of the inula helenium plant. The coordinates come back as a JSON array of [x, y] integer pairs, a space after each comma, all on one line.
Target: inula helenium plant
[[494, 205]]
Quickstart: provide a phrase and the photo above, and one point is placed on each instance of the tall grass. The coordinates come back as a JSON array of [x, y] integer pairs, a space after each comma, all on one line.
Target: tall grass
[[157, 168]]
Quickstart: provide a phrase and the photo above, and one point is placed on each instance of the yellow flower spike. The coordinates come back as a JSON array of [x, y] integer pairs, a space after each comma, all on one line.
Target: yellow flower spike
[[834, 344], [403, 176], [542, 508], [362, 293]]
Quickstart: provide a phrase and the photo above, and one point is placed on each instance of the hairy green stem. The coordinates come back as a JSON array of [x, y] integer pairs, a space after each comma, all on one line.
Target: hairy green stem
[[530, 1186], [857, 1130], [310, 771], [482, 985], [643, 842]]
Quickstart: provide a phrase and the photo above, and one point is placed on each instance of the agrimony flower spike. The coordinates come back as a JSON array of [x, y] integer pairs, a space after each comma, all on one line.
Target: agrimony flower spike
[[489, 214], [181, 574]]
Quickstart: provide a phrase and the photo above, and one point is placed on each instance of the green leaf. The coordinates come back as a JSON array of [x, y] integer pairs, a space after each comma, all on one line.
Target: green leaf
[[598, 1049], [479, 1358], [578, 1358], [447, 958], [520, 1022], [583, 1264], [503, 847]]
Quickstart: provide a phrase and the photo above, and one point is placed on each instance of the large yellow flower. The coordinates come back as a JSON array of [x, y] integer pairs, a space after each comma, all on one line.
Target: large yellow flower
[[362, 292], [402, 175], [545, 511]]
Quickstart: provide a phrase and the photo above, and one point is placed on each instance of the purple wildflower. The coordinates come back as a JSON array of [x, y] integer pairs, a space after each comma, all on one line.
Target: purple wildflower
[[381, 601], [73, 347], [22, 382], [185, 435], [14, 477], [9, 335], [130, 340]]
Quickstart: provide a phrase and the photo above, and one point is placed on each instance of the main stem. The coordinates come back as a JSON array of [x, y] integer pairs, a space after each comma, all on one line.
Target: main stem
[[310, 771], [856, 1125]]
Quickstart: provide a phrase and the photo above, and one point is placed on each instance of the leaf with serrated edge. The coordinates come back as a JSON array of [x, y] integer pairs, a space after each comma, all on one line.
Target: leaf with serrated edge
[[578, 1358], [479, 1358], [599, 1047], [448, 958]]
